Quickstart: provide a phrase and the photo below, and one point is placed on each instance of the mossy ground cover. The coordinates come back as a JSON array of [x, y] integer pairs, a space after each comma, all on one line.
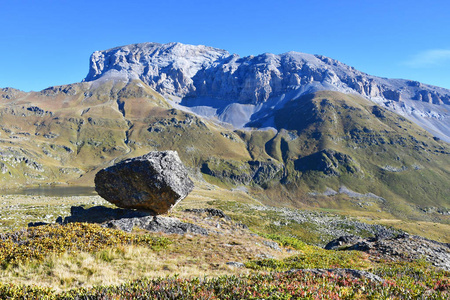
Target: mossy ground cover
[[310, 256]]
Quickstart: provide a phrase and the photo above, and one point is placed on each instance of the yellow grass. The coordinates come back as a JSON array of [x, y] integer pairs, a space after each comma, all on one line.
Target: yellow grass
[[187, 256], [435, 231]]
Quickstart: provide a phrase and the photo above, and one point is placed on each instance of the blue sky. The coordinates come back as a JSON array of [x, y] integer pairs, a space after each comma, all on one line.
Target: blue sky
[[46, 43]]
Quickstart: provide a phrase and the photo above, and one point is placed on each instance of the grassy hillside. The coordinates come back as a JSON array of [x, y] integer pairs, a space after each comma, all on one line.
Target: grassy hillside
[[66, 134], [329, 139], [330, 150]]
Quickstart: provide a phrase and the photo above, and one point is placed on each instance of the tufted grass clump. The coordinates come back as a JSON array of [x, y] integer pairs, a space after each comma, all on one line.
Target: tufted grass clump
[[309, 257], [36, 243], [314, 257], [286, 241], [18, 291]]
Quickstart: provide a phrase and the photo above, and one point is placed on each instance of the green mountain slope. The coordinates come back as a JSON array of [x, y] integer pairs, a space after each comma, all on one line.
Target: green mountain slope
[[67, 133], [330, 139], [322, 142]]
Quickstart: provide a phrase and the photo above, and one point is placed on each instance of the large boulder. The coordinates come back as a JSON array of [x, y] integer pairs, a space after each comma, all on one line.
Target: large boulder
[[154, 182]]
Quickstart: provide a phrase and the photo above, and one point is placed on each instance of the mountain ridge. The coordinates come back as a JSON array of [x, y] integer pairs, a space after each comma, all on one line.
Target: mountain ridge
[[216, 84]]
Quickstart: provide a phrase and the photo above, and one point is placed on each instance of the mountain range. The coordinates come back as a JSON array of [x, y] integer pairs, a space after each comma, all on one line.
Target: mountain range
[[295, 129], [216, 84]]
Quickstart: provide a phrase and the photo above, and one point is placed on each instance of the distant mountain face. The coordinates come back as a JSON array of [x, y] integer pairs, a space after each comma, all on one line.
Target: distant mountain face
[[294, 128], [216, 84]]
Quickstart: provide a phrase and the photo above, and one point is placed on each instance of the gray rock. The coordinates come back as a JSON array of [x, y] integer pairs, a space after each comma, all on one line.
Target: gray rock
[[272, 245], [127, 224], [154, 182], [329, 192], [212, 212], [265, 256], [235, 264], [127, 219], [361, 246], [342, 272], [401, 247], [156, 224], [343, 242], [242, 226]]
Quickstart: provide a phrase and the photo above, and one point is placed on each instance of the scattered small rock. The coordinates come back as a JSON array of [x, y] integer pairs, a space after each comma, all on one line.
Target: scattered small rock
[[328, 226], [212, 212]]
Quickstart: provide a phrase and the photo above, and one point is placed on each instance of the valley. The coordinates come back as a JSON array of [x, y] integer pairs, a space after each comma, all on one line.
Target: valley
[[321, 142], [295, 149]]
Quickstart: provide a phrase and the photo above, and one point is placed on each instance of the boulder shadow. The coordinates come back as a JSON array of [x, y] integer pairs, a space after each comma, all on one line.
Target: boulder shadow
[[101, 214]]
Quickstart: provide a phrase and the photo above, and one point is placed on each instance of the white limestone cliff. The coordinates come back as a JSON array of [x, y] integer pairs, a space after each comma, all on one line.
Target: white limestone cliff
[[216, 84]]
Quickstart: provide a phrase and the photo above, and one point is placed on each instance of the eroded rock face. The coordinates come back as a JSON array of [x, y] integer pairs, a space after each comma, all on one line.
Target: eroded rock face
[[201, 71], [154, 182], [205, 76]]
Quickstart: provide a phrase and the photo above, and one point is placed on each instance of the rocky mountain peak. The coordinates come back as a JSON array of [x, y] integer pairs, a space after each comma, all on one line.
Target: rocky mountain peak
[[187, 70], [10, 93], [200, 76], [164, 67]]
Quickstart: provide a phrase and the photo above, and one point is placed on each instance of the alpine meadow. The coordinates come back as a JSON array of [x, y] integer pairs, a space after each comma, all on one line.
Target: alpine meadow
[[311, 180]]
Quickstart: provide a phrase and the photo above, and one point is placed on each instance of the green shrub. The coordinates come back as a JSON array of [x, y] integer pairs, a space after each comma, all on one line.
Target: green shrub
[[286, 241], [36, 243]]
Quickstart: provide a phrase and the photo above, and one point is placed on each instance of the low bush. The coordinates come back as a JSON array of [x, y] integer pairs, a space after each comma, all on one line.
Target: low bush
[[296, 285], [36, 243]]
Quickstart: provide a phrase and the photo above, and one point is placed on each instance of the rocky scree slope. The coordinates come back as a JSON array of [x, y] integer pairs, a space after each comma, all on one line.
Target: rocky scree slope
[[236, 90]]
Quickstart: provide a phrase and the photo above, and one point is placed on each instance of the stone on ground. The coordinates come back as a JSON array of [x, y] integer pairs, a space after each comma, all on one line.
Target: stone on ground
[[154, 182]]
